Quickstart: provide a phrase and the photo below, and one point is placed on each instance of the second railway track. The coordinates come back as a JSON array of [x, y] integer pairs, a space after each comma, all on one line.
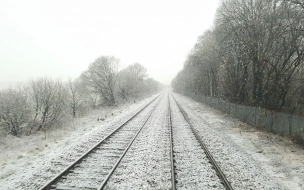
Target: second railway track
[[191, 168]]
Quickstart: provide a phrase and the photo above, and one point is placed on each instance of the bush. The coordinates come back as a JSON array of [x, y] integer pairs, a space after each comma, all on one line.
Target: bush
[[47, 100], [14, 109]]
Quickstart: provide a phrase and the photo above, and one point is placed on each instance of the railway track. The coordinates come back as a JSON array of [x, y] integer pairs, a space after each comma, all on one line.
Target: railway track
[[92, 170], [212, 161], [173, 178]]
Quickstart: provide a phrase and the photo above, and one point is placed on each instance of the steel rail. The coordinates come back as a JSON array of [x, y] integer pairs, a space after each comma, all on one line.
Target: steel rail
[[173, 178], [220, 174], [105, 181], [64, 172]]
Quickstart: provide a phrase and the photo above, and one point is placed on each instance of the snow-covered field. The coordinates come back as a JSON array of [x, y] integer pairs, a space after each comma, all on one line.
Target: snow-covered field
[[251, 159]]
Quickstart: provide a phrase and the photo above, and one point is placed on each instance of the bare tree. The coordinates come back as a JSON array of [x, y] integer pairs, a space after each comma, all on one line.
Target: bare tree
[[253, 55], [152, 86], [14, 109], [48, 98], [131, 81], [200, 73], [74, 98], [138, 71], [89, 98], [101, 77], [297, 2], [259, 38]]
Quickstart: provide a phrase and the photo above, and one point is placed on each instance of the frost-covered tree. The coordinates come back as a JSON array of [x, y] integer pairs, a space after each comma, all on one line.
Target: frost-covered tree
[[74, 97], [101, 78], [200, 73], [254, 55], [152, 86], [260, 43], [131, 81], [14, 109], [48, 98]]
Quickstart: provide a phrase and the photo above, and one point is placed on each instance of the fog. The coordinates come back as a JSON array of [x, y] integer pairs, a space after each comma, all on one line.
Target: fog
[[61, 38]]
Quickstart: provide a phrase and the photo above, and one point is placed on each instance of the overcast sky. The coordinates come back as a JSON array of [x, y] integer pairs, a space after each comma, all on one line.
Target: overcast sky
[[60, 38]]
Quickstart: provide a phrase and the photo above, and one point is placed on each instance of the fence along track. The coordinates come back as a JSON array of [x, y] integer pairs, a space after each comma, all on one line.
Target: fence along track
[[218, 170], [70, 169], [173, 178]]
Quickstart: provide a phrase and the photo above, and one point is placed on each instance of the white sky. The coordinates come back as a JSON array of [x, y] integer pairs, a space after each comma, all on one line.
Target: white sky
[[60, 38]]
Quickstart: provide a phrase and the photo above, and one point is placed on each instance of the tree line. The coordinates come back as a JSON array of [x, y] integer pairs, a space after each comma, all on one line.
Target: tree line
[[253, 55], [41, 103]]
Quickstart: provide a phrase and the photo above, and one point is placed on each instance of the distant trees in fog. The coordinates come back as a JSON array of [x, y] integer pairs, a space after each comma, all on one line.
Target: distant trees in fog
[[253, 55], [42, 103], [111, 85], [131, 81]]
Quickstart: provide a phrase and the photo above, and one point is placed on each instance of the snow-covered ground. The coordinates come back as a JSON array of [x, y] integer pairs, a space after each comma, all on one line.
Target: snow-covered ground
[[92, 171], [259, 160], [270, 157], [27, 163], [193, 170], [147, 164]]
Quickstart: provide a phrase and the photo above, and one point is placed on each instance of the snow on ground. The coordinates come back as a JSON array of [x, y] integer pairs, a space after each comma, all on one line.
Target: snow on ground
[[98, 164], [259, 157], [147, 163], [23, 160], [193, 170], [274, 156]]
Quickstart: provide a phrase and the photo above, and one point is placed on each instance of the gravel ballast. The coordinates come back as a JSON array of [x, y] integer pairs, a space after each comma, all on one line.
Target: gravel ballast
[[147, 163], [103, 159], [240, 169], [193, 170]]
